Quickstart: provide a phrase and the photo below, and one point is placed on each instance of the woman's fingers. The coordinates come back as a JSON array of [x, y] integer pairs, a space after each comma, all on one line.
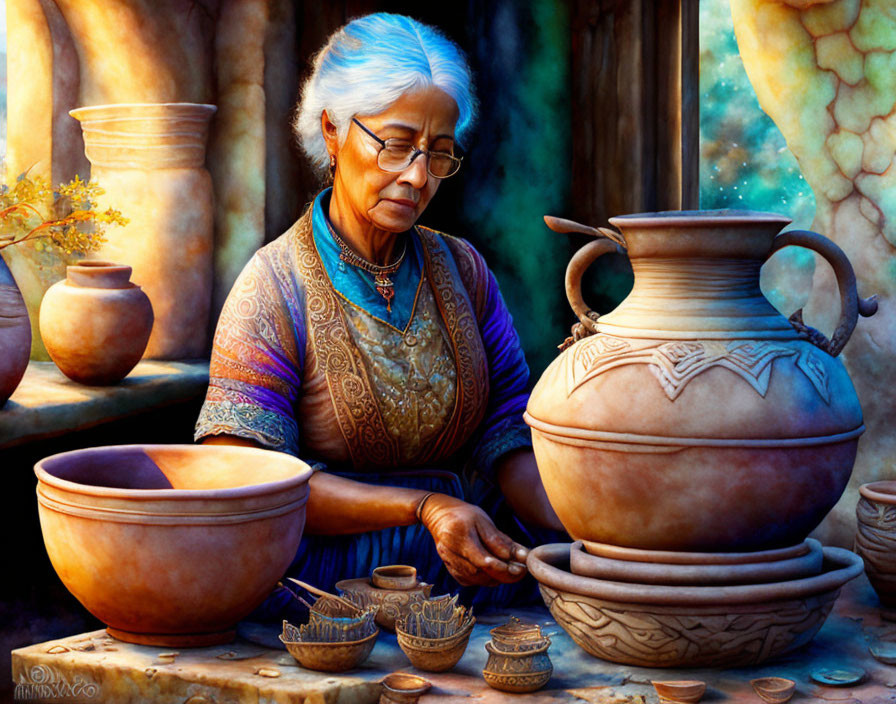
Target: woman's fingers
[[500, 544]]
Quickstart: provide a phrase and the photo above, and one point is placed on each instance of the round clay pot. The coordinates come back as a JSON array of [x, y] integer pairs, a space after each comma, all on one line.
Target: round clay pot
[[581, 563], [695, 417], [150, 158], [96, 323], [518, 671], [15, 335], [876, 537], [392, 604], [171, 545], [684, 626]]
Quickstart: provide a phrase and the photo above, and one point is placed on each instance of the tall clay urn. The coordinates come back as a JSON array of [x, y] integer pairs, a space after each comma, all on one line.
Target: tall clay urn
[[695, 417], [96, 323], [150, 159], [15, 335]]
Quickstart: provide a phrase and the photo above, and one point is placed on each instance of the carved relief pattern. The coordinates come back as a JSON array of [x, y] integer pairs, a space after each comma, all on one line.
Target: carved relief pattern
[[876, 538], [675, 364], [671, 637], [457, 312]]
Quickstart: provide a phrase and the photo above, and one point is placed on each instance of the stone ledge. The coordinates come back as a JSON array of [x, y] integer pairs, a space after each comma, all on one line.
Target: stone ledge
[[47, 403], [124, 673]]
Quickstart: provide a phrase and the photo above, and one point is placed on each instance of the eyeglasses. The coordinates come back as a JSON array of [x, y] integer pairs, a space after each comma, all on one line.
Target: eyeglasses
[[398, 154]]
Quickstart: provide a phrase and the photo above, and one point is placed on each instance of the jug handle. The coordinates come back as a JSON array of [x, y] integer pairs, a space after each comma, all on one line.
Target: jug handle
[[851, 305], [580, 261]]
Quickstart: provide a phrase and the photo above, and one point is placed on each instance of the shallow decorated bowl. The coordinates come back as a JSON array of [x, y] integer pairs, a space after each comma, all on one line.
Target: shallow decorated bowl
[[171, 545], [434, 654], [653, 625], [326, 656]]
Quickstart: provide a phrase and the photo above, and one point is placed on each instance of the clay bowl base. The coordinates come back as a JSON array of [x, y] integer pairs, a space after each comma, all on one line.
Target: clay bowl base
[[174, 640], [685, 626]]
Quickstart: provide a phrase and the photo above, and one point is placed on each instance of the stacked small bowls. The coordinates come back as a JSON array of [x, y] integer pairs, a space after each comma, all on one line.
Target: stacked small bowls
[[518, 658]]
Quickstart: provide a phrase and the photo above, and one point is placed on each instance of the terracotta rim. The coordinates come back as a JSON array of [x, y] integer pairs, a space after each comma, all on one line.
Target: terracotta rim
[[882, 491], [302, 476], [671, 557], [329, 644], [708, 218], [549, 565]]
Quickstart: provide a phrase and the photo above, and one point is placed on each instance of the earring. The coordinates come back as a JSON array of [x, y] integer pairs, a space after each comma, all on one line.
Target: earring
[[332, 164]]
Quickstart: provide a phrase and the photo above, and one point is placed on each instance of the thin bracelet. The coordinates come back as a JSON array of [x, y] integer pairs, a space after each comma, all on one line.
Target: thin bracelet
[[420, 506]]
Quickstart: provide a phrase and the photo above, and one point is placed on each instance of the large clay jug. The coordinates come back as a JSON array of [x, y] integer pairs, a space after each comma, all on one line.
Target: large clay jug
[[695, 417], [15, 335], [150, 159]]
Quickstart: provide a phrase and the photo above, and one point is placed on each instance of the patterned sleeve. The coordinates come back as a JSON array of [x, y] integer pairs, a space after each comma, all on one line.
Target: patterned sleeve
[[256, 361], [503, 428]]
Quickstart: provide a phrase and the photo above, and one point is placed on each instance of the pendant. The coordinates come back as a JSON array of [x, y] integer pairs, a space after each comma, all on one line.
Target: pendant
[[385, 288]]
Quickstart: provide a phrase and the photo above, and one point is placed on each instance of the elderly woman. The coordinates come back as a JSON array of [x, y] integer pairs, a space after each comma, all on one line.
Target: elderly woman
[[367, 344]]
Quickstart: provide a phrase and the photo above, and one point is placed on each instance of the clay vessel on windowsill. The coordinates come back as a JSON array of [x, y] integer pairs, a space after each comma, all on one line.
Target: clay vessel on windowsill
[[694, 416], [96, 323], [876, 537], [171, 545], [15, 335]]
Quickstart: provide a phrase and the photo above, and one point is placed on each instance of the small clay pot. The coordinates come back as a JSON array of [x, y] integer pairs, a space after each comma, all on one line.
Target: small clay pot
[[518, 671], [391, 604], [96, 323], [876, 537]]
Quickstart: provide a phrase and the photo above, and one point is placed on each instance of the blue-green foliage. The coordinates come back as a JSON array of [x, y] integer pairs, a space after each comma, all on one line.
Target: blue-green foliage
[[522, 146], [744, 160]]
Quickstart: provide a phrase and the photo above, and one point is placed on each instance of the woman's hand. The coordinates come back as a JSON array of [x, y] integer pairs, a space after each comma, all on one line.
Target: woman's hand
[[472, 548]]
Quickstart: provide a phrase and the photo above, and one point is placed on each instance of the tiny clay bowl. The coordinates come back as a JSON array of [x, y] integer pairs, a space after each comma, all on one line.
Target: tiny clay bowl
[[400, 577], [403, 688], [774, 690], [434, 654], [686, 691]]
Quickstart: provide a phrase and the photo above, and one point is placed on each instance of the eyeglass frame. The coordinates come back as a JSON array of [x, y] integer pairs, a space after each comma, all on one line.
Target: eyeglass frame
[[415, 153]]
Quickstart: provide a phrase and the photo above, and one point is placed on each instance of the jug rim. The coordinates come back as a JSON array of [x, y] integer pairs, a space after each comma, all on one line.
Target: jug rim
[[721, 216]]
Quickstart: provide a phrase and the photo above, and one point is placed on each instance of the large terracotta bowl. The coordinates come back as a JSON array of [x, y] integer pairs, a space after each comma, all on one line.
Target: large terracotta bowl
[[171, 544]]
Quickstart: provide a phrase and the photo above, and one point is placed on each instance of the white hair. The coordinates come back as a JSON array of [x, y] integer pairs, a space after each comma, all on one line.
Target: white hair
[[369, 64]]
